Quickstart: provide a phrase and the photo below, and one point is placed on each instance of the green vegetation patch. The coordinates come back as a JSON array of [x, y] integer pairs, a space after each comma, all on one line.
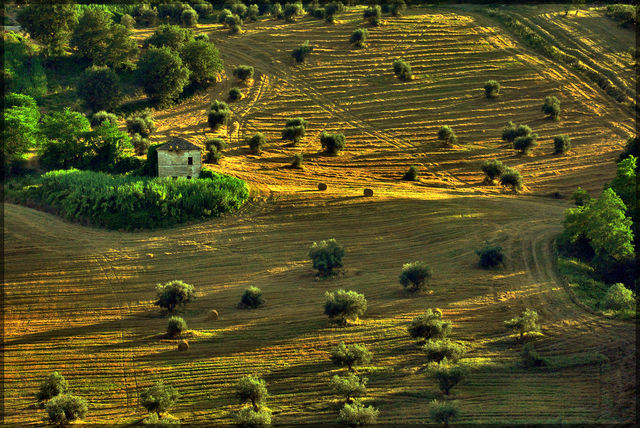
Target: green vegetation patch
[[129, 203], [579, 277]]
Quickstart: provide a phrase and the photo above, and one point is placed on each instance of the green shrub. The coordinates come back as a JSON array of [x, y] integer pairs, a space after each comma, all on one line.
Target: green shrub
[[235, 94], [531, 358], [443, 412], [276, 11], [65, 408], [203, 61], [174, 293], [551, 107], [414, 276], [580, 197], [398, 8], [359, 37], [219, 114], [511, 177], [561, 144], [217, 143], [438, 350], [525, 323], [162, 74], [343, 306], [618, 298], [293, 11], [411, 174], [102, 116], [146, 16], [372, 15], [492, 169], [350, 355], [212, 155], [140, 144], [490, 256], [349, 386], [429, 326], [301, 52], [402, 70], [446, 135], [250, 418], [510, 132], [189, 18], [243, 72], [357, 414], [170, 36], [253, 389], [99, 88], [448, 376], [253, 11], [297, 161], [632, 148], [257, 143], [332, 9], [252, 298], [141, 123], [332, 143], [159, 398], [625, 14], [157, 421], [326, 256], [128, 21], [294, 130], [176, 326], [491, 89], [526, 143], [54, 385]]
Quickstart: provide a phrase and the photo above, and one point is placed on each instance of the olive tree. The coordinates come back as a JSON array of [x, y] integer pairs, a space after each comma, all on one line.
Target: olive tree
[[443, 412], [252, 389], [525, 323], [490, 256], [141, 123], [525, 143], [251, 298], [243, 72], [99, 88], [294, 133], [332, 9], [349, 386], [219, 114], [257, 143], [54, 385], [402, 70], [448, 376], [492, 169], [372, 15], [359, 37], [350, 355], [561, 144], [512, 178], [447, 136], [174, 293], [159, 398], [357, 414], [512, 131], [491, 89], [65, 408], [342, 306], [398, 8], [551, 107], [436, 350], [414, 276], [301, 52], [235, 94], [411, 174], [326, 256], [293, 11], [332, 143], [429, 326]]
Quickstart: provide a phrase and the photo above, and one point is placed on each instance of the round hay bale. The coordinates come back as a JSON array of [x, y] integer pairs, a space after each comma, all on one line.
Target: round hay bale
[[322, 186], [212, 315], [368, 193], [183, 345]]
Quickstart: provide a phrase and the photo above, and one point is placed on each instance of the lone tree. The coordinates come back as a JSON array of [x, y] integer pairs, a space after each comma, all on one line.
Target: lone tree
[[510, 132], [54, 385], [359, 37], [402, 70], [174, 293], [414, 276], [438, 350], [349, 386], [447, 136], [219, 114], [294, 130], [65, 408], [512, 178], [525, 143], [448, 376], [525, 323], [301, 52], [252, 389], [429, 326], [350, 355], [99, 88], [343, 306], [357, 414], [551, 107], [257, 143], [251, 298], [443, 412], [235, 94], [561, 144], [332, 143], [159, 398], [243, 72], [176, 326], [491, 89], [298, 159], [326, 256], [162, 74], [490, 256], [492, 169], [411, 174], [372, 15]]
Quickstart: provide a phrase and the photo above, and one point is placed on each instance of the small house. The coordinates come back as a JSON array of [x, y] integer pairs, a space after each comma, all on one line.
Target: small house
[[179, 158]]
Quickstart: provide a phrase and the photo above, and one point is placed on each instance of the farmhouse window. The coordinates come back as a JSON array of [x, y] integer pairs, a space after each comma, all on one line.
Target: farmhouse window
[[190, 160]]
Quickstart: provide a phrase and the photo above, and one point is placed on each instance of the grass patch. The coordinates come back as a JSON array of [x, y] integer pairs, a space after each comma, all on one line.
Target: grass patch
[[579, 277], [576, 360]]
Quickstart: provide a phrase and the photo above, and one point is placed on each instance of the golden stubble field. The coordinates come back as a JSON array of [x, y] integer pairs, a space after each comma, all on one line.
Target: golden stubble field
[[80, 300]]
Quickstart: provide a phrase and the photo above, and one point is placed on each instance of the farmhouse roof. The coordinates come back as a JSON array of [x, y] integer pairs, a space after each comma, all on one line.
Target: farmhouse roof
[[178, 144]]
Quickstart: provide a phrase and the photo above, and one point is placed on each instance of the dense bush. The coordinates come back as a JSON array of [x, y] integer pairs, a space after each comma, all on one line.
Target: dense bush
[[561, 144], [398, 8], [492, 169], [141, 123], [212, 155], [253, 11], [326, 256], [512, 178], [491, 89], [443, 412], [625, 14], [132, 202], [234, 23], [203, 61], [294, 130], [99, 88], [102, 116], [128, 21], [357, 414], [297, 161], [162, 74], [530, 357], [332, 143], [490, 256], [50, 24], [176, 326], [243, 72], [253, 389], [551, 107], [343, 306], [251, 298], [219, 114], [402, 70], [293, 11], [159, 398], [189, 18], [251, 418], [140, 144], [174, 293], [350, 355], [23, 70], [618, 298], [448, 376], [332, 9], [276, 11], [429, 326], [372, 15], [301, 52], [54, 385], [21, 131], [510, 132], [525, 143], [65, 408], [438, 350], [235, 94], [146, 16], [349, 386], [257, 143], [359, 37], [411, 174], [447, 136], [170, 36], [632, 148], [580, 197], [217, 143], [525, 323], [414, 276]]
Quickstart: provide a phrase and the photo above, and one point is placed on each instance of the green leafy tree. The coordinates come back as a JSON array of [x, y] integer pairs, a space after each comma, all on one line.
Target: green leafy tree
[[301, 52], [411, 174], [257, 143], [174, 293], [429, 326], [525, 143], [176, 326], [243, 72], [551, 107], [189, 18], [105, 146], [443, 412], [203, 61], [23, 71], [448, 376], [162, 74], [490, 256], [159, 398], [343, 306], [294, 130], [21, 130], [54, 385], [447, 136], [491, 89], [170, 36], [276, 11], [249, 418], [65, 408], [252, 389], [350, 355], [525, 323], [235, 94], [99, 88], [618, 297], [128, 21], [219, 114], [492, 169], [359, 37], [626, 187], [373, 15], [511, 178], [402, 70], [437, 350], [102, 116], [632, 148], [357, 414], [50, 24], [580, 197], [141, 123], [349, 386], [252, 298], [331, 9], [298, 159], [414, 276], [63, 143], [332, 143], [531, 358], [512, 131], [326, 256], [561, 144], [293, 11]]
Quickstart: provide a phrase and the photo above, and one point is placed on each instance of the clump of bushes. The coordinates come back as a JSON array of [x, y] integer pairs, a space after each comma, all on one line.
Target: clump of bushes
[[349, 386], [301, 52], [492, 169], [618, 298], [531, 358], [174, 293], [414, 276], [159, 398], [142, 124], [235, 94], [357, 414], [373, 15], [525, 323], [402, 70], [359, 37], [343, 306], [219, 114], [243, 72], [65, 408], [551, 107], [252, 389], [257, 143], [128, 202], [490, 256], [332, 143], [411, 174], [326, 256], [176, 326], [101, 117], [293, 11], [295, 129], [443, 412], [441, 349], [511, 178], [54, 385], [491, 89], [447, 136], [561, 144], [350, 355], [429, 326], [525, 143], [297, 161], [512, 131], [252, 298]]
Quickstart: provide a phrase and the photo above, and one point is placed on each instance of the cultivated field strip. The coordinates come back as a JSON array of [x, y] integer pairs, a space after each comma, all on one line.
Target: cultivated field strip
[[108, 342]]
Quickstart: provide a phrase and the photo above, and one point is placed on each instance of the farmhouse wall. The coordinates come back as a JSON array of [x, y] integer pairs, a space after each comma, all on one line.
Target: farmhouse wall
[[176, 163]]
